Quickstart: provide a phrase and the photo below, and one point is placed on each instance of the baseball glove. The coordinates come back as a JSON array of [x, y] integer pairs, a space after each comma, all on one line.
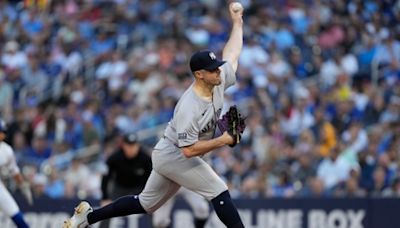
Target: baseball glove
[[233, 123]]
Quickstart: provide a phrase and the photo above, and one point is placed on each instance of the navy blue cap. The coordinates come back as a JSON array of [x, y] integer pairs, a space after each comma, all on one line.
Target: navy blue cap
[[204, 60], [130, 138], [3, 126]]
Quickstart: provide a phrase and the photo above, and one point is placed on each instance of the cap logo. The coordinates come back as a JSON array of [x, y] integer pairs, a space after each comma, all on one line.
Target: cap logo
[[212, 55], [132, 138]]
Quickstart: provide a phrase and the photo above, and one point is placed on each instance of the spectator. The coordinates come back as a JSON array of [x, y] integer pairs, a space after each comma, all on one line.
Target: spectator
[[315, 188], [300, 117], [12, 57], [393, 190], [303, 169], [355, 137], [76, 179], [6, 95], [38, 152], [325, 133], [333, 170], [39, 185], [351, 189], [379, 184], [284, 187], [55, 186]]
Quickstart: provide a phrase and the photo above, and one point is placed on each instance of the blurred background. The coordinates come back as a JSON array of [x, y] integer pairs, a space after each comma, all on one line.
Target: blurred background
[[319, 82]]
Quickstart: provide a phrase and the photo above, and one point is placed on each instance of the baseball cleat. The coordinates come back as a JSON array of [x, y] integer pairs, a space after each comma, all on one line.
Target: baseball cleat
[[79, 219]]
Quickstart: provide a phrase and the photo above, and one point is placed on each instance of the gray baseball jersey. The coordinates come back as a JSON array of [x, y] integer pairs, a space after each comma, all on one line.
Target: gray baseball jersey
[[194, 119]]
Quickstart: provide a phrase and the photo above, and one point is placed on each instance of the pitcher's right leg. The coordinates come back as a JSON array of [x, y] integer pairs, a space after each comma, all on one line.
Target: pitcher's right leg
[[157, 191]]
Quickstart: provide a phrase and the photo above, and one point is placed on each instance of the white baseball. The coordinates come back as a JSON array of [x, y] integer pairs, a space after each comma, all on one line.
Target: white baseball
[[236, 6]]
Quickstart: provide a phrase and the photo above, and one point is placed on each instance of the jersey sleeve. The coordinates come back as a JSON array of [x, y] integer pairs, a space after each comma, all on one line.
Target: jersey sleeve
[[228, 75], [187, 128]]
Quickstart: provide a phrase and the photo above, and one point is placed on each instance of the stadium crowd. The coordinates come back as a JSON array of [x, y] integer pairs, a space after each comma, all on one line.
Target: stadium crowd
[[319, 81]]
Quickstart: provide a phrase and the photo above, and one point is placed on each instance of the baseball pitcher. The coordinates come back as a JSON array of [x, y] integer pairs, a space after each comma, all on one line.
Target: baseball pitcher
[[177, 157]]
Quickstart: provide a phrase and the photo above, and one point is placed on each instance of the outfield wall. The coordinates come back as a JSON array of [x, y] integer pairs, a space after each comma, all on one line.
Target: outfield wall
[[263, 213]]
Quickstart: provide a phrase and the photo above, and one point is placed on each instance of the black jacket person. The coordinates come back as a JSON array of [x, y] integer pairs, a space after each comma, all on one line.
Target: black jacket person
[[128, 170]]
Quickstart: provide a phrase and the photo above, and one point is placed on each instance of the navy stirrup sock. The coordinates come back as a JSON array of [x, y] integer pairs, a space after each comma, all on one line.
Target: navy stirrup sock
[[226, 211], [19, 221], [123, 206], [199, 223]]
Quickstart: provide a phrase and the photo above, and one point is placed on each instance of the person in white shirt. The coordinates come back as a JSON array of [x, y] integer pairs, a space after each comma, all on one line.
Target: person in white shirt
[[9, 165], [333, 169]]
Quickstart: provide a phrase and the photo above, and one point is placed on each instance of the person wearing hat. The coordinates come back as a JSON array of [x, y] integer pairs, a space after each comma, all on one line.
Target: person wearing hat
[[8, 163], [177, 157], [128, 169]]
